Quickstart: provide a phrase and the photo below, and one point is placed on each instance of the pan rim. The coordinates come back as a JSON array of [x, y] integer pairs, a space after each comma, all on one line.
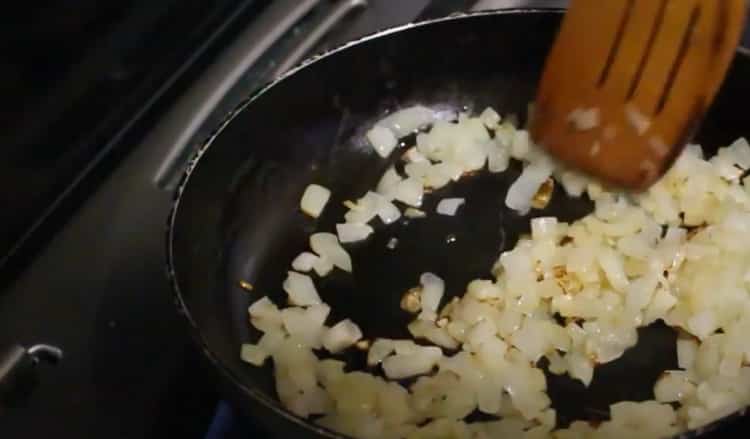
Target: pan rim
[[195, 331]]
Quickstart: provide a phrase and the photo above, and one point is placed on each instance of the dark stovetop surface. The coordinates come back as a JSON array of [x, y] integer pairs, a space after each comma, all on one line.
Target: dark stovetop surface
[[77, 75], [99, 291]]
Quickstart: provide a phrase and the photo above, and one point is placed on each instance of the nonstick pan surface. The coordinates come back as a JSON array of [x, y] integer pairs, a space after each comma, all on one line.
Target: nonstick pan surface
[[236, 212]]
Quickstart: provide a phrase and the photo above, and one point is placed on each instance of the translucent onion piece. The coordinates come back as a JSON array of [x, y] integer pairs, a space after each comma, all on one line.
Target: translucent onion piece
[[408, 120], [327, 246], [522, 191], [449, 206], [301, 289], [353, 232], [304, 262], [314, 200], [382, 140], [341, 336]]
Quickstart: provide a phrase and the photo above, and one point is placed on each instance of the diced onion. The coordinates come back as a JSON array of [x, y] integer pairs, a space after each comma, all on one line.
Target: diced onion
[[687, 349], [388, 212], [584, 119], [382, 140], [428, 330], [671, 253], [522, 191], [353, 232], [408, 120], [413, 155], [421, 361], [673, 386], [580, 368], [253, 354], [306, 324], [263, 308], [388, 183], [498, 157], [327, 246], [314, 200], [411, 212], [449, 206], [365, 209], [304, 262], [301, 289], [409, 192], [380, 349], [341, 336], [322, 266], [521, 146], [490, 118], [636, 119], [703, 324], [432, 291]]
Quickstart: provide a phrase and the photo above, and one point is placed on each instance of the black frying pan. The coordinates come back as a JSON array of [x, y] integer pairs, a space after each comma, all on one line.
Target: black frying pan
[[236, 212]]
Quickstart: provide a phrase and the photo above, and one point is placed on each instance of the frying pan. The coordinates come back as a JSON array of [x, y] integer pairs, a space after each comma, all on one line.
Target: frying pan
[[236, 214]]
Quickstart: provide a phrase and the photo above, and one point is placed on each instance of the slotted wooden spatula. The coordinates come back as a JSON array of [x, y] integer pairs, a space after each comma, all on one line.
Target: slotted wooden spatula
[[628, 81]]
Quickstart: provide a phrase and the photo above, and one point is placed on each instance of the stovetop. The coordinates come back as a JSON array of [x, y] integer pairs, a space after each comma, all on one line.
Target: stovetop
[[98, 289]]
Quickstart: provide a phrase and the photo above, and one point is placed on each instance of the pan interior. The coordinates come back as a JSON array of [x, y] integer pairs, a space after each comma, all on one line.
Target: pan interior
[[238, 216]]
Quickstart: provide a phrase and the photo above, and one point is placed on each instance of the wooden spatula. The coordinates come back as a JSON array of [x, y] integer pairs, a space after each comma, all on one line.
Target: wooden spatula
[[628, 81]]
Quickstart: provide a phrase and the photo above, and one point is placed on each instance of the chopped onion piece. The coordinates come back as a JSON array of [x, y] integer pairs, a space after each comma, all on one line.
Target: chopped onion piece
[[522, 191], [409, 192], [612, 264], [327, 246], [703, 324], [432, 291], [580, 368], [341, 336], [381, 348], [388, 212], [304, 262], [263, 308], [428, 330], [306, 324], [408, 120], [521, 146], [322, 266], [301, 289], [673, 386], [411, 301], [573, 183], [382, 140], [413, 155], [584, 119], [411, 212], [419, 362], [490, 118], [352, 232], [314, 200], [253, 354], [365, 209], [449, 206], [271, 341], [388, 182], [544, 228], [636, 119], [687, 349], [498, 157]]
